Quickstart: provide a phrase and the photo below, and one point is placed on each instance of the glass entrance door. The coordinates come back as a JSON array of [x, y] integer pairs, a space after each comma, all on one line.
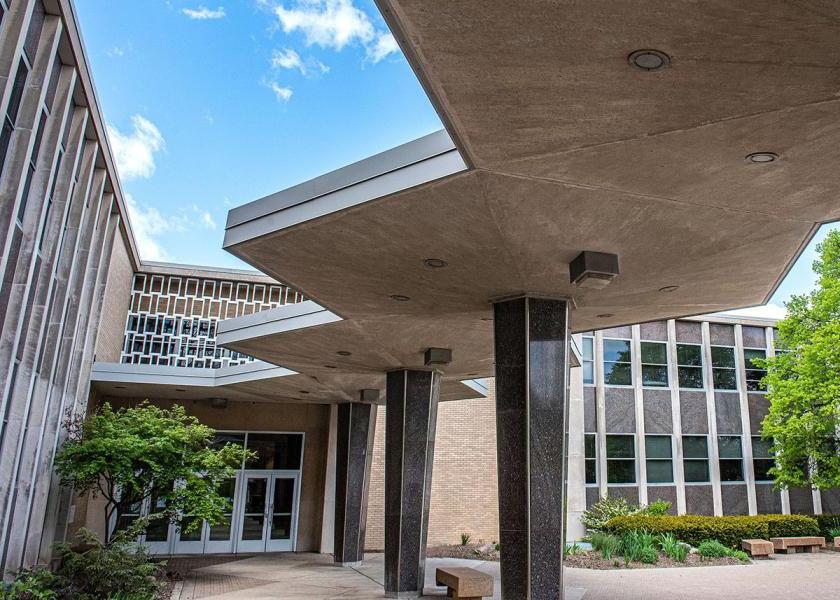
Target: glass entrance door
[[268, 513]]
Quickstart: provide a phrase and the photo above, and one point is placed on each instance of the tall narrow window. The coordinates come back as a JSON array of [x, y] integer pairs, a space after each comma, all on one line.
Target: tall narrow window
[[696, 458], [654, 364], [690, 366], [659, 458], [754, 373], [723, 368], [617, 362], [621, 459], [591, 458], [731, 458], [588, 360], [762, 458]]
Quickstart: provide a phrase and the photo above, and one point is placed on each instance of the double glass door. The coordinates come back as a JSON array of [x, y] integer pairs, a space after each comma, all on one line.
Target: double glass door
[[268, 515]]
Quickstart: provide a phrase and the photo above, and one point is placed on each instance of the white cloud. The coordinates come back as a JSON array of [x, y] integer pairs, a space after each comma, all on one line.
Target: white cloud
[[326, 23], [135, 152], [384, 45], [283, 94], [202, 13], [149, 225], [115, 52], [289, 59], [762, 311]]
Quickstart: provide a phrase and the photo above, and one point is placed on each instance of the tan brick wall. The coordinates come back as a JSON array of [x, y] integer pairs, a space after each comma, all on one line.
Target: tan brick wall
[[464, 477], [109, 339]]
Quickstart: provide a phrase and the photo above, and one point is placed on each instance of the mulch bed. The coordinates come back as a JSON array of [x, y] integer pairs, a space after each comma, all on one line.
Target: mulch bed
[[472, 551], [594, 560]]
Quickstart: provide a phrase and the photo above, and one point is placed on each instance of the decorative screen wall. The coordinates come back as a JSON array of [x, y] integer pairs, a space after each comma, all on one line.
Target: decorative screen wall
[[172, 319]]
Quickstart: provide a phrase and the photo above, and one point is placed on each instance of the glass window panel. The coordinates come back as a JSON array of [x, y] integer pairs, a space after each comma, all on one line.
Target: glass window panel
[[731, 470], [621, 471], [225, 437], [188, 536], [617, 350], [658, 446], [654, 376], [729, 446], [588, 372], [689, 355], [588, 349], [660, 471], [695, 446], [617, 373], [221, 531], [590, 445], [762, 468], [654, 353], [696, 471], [252, 527], [281, 527], [723, 356], [275, 450], [157, 531], [724, 379], [591, 471], [691, 377], [620, 446], [750, 354], [761, 447], [284, 490]]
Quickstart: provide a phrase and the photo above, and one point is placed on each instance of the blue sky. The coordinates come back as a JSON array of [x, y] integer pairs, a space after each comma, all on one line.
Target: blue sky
[[211, 105]]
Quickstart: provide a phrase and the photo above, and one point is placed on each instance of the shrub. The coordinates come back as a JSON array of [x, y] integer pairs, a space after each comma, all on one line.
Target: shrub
[[833, 533], [672, 547], [636, 545], [596, 517], [38, 584], [713, 549], [649, 555], [465, 539], [789, 525], [604, 543], [826, 523], [659, 508]]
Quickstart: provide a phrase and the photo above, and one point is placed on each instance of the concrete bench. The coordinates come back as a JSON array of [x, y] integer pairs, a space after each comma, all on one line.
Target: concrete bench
[[757, 548], [837, 543], [798, 544], [465, 583]]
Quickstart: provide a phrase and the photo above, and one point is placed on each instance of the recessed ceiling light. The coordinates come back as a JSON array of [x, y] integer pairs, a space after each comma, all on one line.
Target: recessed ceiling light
[[604, 315], [302, 392], [472, 374], [180, 390], [435, 263], [649, 60], [344, 353], [669, 288], [762, 157], [119, 387], [330, 366], [399, 298]]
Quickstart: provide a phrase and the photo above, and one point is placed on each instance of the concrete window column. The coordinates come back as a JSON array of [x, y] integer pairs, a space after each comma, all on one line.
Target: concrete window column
[[532, 368], [356, 425], [676, 416], [770, 340], [411, 401], [711, 408]]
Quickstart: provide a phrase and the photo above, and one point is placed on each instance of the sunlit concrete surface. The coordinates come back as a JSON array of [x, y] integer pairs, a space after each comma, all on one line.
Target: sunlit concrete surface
[[316, 577]]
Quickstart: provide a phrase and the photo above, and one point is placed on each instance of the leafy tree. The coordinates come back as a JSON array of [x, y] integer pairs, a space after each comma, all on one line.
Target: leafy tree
[[132, 454], [803, 382]]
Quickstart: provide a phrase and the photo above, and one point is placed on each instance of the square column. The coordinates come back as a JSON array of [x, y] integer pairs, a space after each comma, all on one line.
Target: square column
[[532, 367], [356, 425], [411, 416]]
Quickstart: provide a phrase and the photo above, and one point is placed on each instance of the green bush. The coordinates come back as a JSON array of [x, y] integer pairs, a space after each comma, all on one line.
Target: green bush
[[729, 531], [649, 555], [826, 523], [672, 547], [658, 508], [604, 543], [38, 584], [712, 549], [596, 516], [465, 539], [638, 545]]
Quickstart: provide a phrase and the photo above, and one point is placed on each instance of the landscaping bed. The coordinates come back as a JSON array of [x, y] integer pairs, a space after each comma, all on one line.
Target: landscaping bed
[[471, 551], [593, 560]]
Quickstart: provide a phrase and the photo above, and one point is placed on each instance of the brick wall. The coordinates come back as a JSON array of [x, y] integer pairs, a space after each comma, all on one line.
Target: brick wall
[[109, 339], [464, 478]]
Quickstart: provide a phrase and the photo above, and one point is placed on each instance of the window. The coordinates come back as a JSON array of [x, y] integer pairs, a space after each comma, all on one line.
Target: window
[[690, 366], [654, 364], [275, 450], [731, 458], [723, 368], [659, 458], [621, 459], [588, 361], [617, 362], [591, 458], [753, 371], [762, 458], [696, 458]]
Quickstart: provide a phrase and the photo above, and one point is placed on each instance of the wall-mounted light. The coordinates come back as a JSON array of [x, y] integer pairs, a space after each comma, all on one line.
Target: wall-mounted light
[[593, 270], [437, 356]]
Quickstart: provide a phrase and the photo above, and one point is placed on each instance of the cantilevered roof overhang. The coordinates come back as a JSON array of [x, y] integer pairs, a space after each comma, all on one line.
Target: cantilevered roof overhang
[[563, 145]]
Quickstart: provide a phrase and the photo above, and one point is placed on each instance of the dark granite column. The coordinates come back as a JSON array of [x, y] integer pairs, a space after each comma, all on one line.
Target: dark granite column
[[356, 425], [531, 343], [411, 416]]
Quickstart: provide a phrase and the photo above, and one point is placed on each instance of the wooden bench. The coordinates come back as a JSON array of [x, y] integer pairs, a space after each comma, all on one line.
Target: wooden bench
[[465, 583], [798, 544], [757, 548]]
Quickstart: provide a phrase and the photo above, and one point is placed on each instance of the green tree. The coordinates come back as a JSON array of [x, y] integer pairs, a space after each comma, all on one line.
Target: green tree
[[803, 381], [133, 454]]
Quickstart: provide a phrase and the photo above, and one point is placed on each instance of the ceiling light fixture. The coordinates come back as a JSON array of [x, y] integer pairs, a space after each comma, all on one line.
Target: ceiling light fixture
[[399, 298], [649, 60], [669, 288], [344, 353], [604, 315], [302, 392], [330, 367], [593, 270], [435, 263], [762, 157], [180, 390]]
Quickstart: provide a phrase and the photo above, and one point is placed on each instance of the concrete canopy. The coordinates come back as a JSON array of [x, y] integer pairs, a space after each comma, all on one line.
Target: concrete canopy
[[565, 146]]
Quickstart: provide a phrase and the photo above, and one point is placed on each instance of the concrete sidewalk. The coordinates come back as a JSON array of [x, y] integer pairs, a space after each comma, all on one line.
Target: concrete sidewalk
[[315, 577]]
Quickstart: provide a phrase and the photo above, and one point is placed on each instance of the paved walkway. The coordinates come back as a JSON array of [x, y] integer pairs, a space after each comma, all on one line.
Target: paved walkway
[[314, 577]]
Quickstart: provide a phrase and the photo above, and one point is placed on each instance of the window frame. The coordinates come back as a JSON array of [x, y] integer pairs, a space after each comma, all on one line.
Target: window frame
[[733, 369], [761, 459], [687, 459], [669, 459], [747, 370], [728, 459], [634, 459], [584, 360], [593, 459], [701, 366], [643, 364], [629, 362]]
